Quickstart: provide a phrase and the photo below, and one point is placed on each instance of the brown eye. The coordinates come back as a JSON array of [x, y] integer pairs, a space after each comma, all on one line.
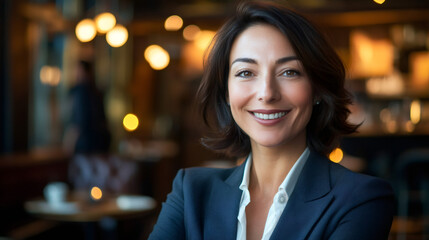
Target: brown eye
[[244, 74], [291, 73]]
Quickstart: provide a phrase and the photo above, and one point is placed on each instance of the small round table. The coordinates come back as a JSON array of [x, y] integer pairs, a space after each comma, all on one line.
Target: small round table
[[81, 209]]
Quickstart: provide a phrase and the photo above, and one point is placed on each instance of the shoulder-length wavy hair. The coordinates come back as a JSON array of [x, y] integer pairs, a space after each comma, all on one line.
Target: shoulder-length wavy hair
[[321, 63]]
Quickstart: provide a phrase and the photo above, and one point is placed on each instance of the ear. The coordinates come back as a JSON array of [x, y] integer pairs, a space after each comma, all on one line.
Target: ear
[[316, 100]]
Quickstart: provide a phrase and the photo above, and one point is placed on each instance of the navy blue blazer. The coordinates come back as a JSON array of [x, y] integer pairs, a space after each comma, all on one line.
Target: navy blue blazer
[[329, 202]]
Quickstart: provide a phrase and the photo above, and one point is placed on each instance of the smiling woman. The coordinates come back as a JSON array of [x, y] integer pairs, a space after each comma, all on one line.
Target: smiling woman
[[312, 54], [269, 92], [273, 92]]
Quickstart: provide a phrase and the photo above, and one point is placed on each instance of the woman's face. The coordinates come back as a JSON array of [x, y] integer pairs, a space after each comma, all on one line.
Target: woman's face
[[269, 92]]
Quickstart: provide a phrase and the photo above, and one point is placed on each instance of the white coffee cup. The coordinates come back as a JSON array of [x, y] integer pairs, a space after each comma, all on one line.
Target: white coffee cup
[[56, 193]]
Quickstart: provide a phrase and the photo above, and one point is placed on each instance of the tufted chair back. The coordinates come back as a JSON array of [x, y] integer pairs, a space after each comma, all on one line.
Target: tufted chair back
[[108, 172]]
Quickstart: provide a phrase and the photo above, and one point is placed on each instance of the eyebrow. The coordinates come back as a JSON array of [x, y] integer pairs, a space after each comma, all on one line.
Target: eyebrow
[[245, 60], [253, 61], [286, 59]]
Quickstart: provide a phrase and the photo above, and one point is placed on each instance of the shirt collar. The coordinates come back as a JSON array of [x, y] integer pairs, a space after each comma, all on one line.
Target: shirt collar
[[288, 183], [245, 182]]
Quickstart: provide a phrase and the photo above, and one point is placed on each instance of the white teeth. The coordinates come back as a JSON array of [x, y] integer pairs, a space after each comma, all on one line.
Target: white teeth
[[269, 116]]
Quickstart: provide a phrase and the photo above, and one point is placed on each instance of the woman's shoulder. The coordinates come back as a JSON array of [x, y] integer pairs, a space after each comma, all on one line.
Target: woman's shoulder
[[202, 173], [200, 180], [358, 185]]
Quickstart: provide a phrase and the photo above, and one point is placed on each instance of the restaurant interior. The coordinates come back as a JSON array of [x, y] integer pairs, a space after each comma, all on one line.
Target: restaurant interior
[[125, 72]]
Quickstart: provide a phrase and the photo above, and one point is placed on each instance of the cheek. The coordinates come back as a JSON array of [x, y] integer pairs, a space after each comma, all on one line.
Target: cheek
[[235, 95], [237, 100], [301, 95]]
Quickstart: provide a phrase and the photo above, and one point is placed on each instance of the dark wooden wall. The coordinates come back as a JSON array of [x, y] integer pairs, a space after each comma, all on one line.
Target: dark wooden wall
[[23, 177]]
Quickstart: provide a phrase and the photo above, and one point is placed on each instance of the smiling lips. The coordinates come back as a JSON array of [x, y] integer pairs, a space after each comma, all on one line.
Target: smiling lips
[[269, 115]]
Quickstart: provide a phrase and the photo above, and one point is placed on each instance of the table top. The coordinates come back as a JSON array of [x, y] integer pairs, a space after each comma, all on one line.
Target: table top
[[80, 208]]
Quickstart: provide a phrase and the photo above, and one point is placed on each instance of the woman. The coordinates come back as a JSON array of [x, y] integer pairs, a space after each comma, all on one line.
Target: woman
[[276, 90]]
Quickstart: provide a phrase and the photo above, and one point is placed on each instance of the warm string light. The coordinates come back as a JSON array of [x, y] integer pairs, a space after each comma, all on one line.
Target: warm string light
[[336, 155], [157, 57], [86, 30], [191, 32], [118, 36], [173, 23], [96, 193], [104, 23], [130, 122]]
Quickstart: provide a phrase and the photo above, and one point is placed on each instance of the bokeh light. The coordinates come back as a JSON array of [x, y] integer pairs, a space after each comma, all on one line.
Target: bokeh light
[[50, 75], [379, 1], [415, 111], [157, 57], [130, 122], [86, 30], [194, 51], [419, 62], [409, 126], [173, 23], [370, 56], [96, 193], [118, 36], [191, 32], [336, 155], [105, 22], [204, 38]]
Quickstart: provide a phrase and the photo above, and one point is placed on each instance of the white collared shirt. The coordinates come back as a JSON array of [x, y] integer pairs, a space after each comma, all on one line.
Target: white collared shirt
[[279, 202]]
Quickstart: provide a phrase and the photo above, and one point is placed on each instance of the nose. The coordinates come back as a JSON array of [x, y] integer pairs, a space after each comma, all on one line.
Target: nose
[[268, 90]]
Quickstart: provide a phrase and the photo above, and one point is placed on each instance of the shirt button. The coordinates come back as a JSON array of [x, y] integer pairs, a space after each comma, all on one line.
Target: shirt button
[[282, 199]]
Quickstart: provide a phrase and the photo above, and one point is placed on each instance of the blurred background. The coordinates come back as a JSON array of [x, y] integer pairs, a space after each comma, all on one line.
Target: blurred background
[[100, 93]]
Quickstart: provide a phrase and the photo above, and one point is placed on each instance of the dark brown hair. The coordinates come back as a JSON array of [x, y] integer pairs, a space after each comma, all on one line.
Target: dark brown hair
[[321, 63]]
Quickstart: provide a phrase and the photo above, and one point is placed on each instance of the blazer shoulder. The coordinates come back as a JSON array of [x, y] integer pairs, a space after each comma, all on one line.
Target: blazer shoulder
[[206, 172], [358, 185], [359, 200], [207, 176]]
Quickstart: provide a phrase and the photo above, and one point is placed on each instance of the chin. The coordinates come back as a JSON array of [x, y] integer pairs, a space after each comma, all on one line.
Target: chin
[[280, 140], [270, 142]]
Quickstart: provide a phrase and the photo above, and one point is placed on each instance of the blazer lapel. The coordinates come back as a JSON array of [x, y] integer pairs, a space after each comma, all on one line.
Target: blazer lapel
[[222, 211], [308, 201]]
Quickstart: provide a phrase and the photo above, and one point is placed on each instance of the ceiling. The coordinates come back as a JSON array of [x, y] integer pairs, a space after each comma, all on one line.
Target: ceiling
[[192, 8]]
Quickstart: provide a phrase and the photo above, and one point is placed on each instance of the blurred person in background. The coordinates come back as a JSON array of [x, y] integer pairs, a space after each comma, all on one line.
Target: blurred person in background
[[273, 93], [87, 131]]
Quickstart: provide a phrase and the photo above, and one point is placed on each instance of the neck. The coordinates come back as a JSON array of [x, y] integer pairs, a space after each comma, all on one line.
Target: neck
[[270, 166]]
